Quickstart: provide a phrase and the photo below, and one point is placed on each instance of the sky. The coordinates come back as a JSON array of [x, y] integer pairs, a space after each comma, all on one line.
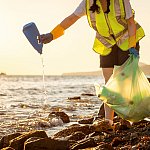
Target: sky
[[70, 53]]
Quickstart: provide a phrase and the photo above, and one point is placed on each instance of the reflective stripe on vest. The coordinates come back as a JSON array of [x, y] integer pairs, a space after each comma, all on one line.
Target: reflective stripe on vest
[[119, 11], [126, 35], [123, 40], [118, 24]]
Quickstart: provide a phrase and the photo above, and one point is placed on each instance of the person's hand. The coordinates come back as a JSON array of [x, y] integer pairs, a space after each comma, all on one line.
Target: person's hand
[[45, 38]]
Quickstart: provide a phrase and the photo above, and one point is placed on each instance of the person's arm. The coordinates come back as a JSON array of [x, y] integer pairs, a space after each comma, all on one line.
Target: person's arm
[[131, 23], [59, 29], [70, 20], [132, 32]]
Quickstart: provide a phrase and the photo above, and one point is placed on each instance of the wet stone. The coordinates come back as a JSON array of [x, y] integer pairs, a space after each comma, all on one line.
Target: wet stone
[[104, 146], [63, 116], [125, 124], [4, 142], [7, 148], [102, 126], [86, 121], [116, 141], [76, 136], [46, 144], [86, 129], [87, 94], [18, 142], [84, 144], [74, 98]]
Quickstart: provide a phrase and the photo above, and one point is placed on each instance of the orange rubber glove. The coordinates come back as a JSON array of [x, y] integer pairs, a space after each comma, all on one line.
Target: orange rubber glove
[[57, 32], [132, 41]]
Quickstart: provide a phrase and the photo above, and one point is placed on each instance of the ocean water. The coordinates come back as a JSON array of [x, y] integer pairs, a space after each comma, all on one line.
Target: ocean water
[[25, 101]]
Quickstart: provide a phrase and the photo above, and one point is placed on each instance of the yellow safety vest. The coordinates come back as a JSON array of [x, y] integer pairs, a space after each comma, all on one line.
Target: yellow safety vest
[[115, 22]]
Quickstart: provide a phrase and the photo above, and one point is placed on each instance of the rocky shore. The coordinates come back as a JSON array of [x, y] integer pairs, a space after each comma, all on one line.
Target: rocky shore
[[88, 134]]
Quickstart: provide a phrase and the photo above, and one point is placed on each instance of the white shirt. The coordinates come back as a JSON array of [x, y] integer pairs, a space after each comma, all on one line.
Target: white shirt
[[81, 9]]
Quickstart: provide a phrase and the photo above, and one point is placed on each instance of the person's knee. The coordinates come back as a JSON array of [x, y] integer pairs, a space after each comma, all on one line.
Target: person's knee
[[107, 72]]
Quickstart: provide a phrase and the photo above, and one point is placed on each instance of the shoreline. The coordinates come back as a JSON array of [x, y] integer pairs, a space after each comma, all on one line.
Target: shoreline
[[87, 134]]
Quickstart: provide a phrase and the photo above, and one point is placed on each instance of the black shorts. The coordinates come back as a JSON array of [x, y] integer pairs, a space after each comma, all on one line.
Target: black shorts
[[116, 57]]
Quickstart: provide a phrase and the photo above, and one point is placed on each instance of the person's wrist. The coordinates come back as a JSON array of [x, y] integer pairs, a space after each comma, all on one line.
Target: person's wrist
[[132, 41], [50, 36], [57, 32]]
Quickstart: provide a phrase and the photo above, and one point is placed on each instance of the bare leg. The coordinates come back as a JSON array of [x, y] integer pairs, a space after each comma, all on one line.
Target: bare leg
[[109, 113]]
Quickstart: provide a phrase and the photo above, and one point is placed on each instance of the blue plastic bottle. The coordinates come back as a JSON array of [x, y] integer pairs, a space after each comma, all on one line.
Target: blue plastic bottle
[[31, 32]]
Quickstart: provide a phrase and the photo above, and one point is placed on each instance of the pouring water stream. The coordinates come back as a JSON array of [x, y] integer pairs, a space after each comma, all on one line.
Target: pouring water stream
[[45, 96]]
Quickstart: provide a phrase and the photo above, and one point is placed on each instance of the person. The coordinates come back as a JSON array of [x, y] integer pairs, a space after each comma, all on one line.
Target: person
[[116, 32]]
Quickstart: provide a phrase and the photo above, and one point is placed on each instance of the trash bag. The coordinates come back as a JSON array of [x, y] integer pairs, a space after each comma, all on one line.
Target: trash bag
[[128, 91]]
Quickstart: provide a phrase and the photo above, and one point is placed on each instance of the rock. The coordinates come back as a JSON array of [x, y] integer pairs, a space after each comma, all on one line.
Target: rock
[[86, 129], [116, 126], [86, 121], [102, 126], [1, 94], [63, 116], [4, 142], [116, 141], [18, 142], [97, 138], [46, 144], [43, 124], [125, 124], [140, 124], [122, 125], [144, 143], [76, 136], [32, 139], [84, 144], [134, 147], [127, 147], [116, 119], [74, 98], [104, 146], [134, 136], [87, 94], [7, 148]]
